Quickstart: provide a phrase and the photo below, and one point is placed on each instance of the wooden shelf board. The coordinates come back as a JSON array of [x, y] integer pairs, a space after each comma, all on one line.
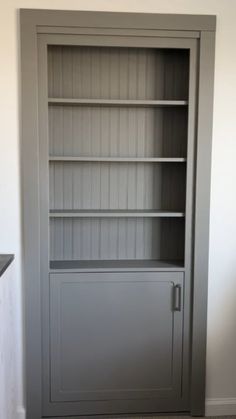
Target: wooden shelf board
[[118, 159], [115, 265], [115, 102], [113, 213]]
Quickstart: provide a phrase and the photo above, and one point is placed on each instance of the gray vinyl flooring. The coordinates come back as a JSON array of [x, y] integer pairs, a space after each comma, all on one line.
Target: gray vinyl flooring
[[173, 417]]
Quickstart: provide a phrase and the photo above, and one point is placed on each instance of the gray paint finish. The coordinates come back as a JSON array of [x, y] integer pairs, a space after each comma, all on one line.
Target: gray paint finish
[[5, 261], [149, 31], [125, 265], [31, 216], [112, 238], [90, 239], [115, 20], [124, 74], [128, 76], [115, 336], [202, 220]]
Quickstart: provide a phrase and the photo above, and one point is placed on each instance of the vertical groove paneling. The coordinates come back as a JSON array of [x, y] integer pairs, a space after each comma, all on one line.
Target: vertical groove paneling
[[117, 132], [110, 239], [120, 73], [116, 73], [78, 186]]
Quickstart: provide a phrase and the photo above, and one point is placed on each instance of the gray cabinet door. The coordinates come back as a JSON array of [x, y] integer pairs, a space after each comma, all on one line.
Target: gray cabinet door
[[116, 338]]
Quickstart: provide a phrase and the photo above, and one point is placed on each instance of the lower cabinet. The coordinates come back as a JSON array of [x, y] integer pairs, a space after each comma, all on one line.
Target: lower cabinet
[[116, 342]]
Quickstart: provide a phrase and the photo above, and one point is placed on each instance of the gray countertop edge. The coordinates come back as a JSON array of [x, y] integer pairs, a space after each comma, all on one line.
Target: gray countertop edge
[[5, 261]]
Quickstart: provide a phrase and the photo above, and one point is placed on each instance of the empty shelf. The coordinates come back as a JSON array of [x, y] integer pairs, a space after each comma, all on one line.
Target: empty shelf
[[117, 265], [116, 102], [113, 213], [118, 159]]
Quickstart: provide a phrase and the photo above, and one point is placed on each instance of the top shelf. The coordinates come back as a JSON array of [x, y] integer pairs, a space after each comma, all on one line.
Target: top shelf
[[117, 102]]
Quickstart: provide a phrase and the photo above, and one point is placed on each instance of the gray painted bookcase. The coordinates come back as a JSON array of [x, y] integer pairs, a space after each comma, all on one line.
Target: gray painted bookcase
[[114, 115]]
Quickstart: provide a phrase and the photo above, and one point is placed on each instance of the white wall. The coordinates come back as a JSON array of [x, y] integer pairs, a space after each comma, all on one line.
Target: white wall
[[8, 345], [221, 353]]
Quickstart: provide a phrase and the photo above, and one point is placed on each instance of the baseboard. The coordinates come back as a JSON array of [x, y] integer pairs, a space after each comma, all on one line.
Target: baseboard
[[220, 407], [21, 414], [214, 407]]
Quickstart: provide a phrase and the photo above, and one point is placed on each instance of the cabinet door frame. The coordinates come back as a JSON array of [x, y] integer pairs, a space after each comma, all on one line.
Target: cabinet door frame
[[114, 400], [55, 22]]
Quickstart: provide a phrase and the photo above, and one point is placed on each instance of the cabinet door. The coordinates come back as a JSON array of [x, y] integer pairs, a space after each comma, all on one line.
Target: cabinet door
[[116, 338]]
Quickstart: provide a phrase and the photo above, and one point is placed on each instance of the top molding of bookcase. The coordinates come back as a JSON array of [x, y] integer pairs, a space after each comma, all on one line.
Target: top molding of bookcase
[[147, 21]]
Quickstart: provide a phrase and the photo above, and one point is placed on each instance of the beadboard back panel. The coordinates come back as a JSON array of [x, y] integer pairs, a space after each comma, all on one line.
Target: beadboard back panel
[[117, 132], [120, 186], [117, 73], [117, 239], [123, 132]]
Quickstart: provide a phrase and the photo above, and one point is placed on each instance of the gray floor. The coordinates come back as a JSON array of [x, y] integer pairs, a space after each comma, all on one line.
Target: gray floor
[[172, 417]]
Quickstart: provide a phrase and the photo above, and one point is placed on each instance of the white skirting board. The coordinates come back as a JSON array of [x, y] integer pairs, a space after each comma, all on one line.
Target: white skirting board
[[220, 407], [21, 414], [214, 407]]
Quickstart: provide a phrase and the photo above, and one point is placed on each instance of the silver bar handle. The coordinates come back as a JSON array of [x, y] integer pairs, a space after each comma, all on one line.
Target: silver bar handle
[[177, 298]]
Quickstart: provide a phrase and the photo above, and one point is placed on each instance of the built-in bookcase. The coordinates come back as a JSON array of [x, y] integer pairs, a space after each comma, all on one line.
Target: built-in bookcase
[[116, 146], [117, 155]]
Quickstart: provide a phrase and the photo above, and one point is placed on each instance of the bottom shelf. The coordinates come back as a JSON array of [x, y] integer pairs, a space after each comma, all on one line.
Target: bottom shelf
[[116, 265]]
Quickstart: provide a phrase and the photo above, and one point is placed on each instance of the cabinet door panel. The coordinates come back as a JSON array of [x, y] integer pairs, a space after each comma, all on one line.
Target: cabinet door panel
[[115, 336]]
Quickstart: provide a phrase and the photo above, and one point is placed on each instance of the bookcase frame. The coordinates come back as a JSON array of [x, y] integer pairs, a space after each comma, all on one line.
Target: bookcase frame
[[37, 24]]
